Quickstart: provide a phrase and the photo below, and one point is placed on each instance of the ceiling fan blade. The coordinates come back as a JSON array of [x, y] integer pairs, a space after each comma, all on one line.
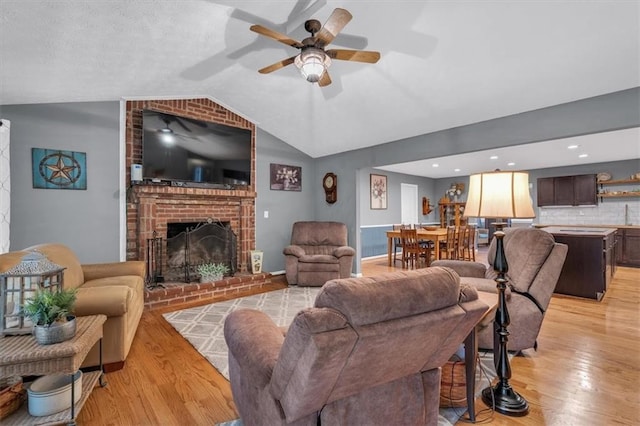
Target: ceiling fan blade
[[368, 56], [281, 64], [275, 35], [336, 22], [325, 80], [181, 124]]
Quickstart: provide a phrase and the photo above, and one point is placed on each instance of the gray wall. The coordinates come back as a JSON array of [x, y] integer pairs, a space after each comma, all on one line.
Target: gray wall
[[85, 220], [393, 213], [284, 207]]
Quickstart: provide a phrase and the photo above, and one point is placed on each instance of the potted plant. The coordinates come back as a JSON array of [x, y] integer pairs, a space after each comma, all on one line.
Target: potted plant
[[51, 315], [212, 271]]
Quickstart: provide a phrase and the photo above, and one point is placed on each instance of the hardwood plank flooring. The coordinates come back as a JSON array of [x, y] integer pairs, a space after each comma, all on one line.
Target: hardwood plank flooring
[[586, 370]]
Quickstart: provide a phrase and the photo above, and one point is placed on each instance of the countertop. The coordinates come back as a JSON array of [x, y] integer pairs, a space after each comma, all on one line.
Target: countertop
[[579, 231], [540, 225]]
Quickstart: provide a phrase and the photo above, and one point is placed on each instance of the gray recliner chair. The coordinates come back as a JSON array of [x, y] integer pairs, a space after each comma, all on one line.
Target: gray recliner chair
[[368, 353], [535, 263], [318, 253]]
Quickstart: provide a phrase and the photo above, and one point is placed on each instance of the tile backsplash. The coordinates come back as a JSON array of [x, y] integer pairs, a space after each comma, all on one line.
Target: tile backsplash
[[611, 212]]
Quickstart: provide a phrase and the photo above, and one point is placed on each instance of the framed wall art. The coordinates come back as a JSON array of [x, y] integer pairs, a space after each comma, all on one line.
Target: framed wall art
[[57, 169], [285, 178], [378, 193]]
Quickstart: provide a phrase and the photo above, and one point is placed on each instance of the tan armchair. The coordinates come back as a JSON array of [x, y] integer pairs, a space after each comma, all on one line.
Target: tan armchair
[[318, 253], [535, 262], [368, 353], [114, 289]]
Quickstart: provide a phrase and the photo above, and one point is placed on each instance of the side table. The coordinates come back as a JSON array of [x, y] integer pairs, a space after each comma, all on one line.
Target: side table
[[23, 356]]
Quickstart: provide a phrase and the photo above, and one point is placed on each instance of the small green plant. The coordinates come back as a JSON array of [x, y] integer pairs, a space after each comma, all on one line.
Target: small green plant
[[47, 307], [213, 269]]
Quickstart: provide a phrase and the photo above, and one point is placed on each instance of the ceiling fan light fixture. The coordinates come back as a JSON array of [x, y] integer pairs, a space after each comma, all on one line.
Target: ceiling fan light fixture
[[312, 63], [166, 135]]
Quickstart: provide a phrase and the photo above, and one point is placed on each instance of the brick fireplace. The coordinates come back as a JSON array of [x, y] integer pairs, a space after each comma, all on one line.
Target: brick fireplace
[[151, 206]]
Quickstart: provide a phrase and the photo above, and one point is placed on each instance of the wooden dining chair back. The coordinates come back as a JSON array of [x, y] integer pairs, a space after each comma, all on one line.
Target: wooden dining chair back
[[468, 249], [413, 253], [397, 242], [448, 247], [461, 238]]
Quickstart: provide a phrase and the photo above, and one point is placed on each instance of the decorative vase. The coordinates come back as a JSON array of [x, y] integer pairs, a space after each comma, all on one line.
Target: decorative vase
[[56, 332], [256, 261]]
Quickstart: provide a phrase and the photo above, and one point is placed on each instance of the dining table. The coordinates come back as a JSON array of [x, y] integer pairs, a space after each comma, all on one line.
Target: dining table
[[435, 235]]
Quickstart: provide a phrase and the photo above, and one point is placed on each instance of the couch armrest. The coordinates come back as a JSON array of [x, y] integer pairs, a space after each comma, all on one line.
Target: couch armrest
[[95, 271], [254, 341], [344, 251], [293, 250], [111, 301], [463, 268]]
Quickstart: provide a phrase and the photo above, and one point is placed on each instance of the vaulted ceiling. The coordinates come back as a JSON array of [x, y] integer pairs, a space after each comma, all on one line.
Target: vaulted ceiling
[[443, 63]]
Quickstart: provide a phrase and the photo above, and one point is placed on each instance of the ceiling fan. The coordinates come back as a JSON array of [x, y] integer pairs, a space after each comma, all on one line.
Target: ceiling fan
[[313, 60]]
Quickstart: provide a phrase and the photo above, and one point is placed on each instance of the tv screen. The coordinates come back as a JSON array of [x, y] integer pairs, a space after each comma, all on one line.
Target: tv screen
[[183, 149]]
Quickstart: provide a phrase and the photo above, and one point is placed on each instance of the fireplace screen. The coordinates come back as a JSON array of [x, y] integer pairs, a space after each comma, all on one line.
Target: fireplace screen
[[192, 244]]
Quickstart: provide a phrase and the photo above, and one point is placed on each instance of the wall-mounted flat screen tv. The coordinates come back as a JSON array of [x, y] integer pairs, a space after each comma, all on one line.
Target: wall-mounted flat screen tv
[[181, 149]]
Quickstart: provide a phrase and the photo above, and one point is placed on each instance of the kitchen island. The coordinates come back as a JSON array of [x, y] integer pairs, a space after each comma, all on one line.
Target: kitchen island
[[590, 262]]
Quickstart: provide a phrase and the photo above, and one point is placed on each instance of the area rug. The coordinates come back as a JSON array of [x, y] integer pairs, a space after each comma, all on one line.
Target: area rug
[[203, 327]]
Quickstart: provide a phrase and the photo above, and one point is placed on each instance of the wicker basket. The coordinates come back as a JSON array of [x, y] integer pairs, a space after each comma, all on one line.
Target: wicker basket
[[453, 389], [12, 395]]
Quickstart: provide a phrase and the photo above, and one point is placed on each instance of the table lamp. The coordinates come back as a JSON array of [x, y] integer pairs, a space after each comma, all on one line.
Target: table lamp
[[501, 195]]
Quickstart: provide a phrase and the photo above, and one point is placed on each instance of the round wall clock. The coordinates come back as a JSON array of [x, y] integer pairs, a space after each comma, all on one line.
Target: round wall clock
[[330, 185]]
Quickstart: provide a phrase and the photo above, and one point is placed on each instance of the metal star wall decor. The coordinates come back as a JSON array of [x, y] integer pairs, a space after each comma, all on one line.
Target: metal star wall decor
[[56, 169]]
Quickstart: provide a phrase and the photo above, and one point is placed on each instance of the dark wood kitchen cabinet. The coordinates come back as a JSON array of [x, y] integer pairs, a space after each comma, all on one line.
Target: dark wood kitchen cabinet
[[628, 247], [567, 191], [590, 263], [563, 191], [545, 191]]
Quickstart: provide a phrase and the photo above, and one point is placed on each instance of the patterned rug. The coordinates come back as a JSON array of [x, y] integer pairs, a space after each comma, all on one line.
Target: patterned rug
[[203, 327]]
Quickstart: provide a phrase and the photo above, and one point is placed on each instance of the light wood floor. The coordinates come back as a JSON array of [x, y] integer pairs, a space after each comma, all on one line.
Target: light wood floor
[[586, 370]]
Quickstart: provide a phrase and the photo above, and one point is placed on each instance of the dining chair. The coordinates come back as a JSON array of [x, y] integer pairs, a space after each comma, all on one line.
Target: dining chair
[[422, 241], [412, 251], [468, 248], [448, 247], [397, 241], [461, 237]]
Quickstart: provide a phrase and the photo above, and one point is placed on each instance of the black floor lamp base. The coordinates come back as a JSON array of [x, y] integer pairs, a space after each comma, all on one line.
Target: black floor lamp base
[[505, 400]]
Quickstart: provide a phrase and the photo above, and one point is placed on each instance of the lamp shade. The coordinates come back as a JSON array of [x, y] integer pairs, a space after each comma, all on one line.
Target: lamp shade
[[499, 195]]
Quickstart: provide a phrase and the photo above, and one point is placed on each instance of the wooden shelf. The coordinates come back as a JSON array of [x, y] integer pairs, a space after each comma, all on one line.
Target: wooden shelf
[[21, 417], [619, 182], [622, 194]]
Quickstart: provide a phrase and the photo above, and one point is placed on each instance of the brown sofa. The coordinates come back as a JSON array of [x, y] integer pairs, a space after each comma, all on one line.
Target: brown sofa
[[535, 262], [368, 352], [318, 253], [113, 289]]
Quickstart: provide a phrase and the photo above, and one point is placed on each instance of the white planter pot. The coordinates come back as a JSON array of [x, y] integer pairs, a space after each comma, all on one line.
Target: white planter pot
[[52, 394]]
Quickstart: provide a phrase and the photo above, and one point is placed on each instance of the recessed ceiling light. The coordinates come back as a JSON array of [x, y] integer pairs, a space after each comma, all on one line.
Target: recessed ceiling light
[[511, 164], [583, 155], [573, 146], [456, 170], [493, 157], [435, 165]]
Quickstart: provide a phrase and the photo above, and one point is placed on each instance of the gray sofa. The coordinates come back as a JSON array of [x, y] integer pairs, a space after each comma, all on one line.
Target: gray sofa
[[318, 253], [368, 352], [535, 262]]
